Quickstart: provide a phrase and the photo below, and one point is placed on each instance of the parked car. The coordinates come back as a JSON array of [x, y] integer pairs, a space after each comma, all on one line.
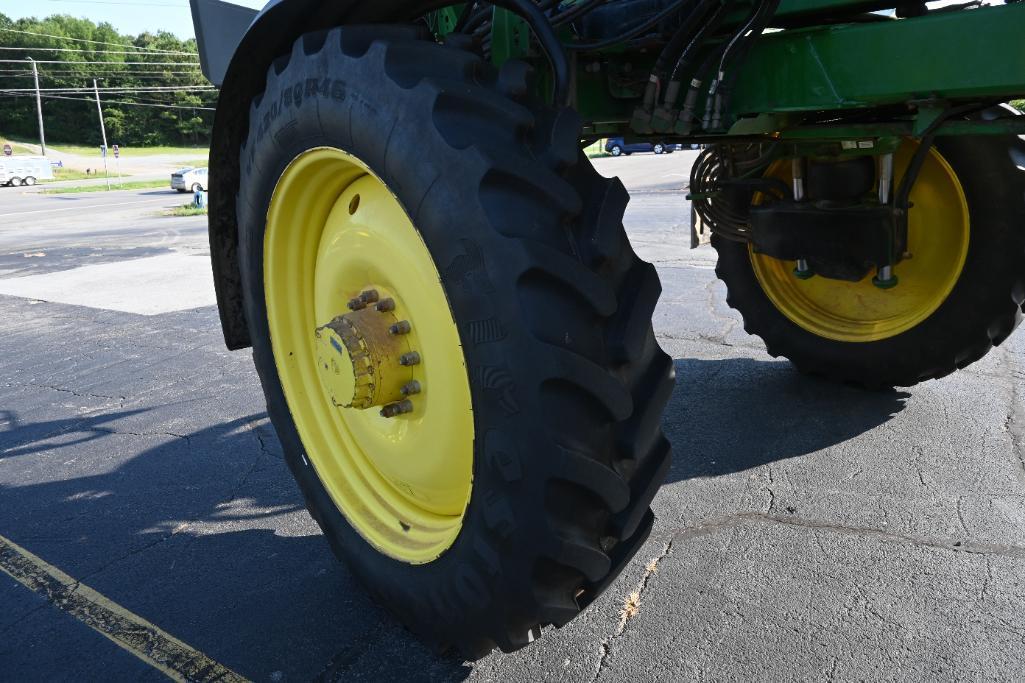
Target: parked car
[[618, 147], [190, 180], [24, 170]]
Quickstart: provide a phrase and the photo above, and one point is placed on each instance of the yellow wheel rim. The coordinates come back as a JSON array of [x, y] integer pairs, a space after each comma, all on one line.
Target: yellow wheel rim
[[938, 232], [334, 231]]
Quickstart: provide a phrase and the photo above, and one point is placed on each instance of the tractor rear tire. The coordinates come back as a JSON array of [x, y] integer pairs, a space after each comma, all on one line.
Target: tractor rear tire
[[982, 309], [552, 306]]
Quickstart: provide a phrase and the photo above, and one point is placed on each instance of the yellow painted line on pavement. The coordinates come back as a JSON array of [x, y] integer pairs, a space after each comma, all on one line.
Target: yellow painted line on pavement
[[157, 648]]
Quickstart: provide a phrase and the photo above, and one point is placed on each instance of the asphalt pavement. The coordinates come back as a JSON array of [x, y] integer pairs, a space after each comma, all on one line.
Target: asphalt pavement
[[806, 530]]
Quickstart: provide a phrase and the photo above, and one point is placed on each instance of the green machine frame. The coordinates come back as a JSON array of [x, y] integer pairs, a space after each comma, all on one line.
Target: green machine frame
[[911, 68]]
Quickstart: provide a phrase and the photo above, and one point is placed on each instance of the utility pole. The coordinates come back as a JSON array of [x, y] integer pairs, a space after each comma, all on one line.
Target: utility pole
[[103, 131], [39, 106]]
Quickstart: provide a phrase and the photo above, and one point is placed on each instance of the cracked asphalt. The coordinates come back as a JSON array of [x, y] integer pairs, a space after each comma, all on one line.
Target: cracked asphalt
[[806, 530]]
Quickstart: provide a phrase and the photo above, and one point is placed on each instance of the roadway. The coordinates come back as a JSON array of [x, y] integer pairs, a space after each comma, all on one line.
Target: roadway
[[806, 530]]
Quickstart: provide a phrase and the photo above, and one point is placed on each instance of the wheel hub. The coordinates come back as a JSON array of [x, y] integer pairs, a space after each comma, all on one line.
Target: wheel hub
[[359, 358]]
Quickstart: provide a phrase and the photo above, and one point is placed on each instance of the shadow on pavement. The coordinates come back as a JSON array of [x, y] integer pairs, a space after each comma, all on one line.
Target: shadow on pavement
[[732, 415], [203, 534]]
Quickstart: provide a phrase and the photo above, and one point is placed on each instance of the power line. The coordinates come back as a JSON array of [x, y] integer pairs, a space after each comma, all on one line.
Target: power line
[[151, 50], [94, 52], [119, 2], [161, 88], [18, 73], [120, 102], [65, 61]]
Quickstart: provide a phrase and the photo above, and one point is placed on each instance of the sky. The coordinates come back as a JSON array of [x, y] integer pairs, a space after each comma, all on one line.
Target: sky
[[127, 16]]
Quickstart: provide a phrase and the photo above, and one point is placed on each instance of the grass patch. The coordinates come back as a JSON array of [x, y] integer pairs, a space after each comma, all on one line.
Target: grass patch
[[129, 152], [185, 210], [1018, 104], [114, 187], [192, 163], [69, 174], [596, 149]]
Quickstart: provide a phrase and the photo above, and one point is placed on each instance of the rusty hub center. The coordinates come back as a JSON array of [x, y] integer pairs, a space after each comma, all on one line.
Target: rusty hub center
[[364, 357]]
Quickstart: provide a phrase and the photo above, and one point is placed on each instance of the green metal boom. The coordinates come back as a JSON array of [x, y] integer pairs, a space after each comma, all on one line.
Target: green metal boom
[[905, 70]]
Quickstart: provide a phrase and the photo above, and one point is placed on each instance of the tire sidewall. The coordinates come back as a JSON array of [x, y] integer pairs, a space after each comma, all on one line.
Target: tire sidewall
[[490, 556]]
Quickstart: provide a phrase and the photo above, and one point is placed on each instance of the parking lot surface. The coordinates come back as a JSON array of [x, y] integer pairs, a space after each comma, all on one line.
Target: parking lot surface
[[806, 530]]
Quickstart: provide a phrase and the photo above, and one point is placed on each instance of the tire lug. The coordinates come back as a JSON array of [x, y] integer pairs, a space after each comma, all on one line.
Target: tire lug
[[401, 327], [385, 305], [411, 388], [357, 304], [369, 296], [393, 409], [411, 358]]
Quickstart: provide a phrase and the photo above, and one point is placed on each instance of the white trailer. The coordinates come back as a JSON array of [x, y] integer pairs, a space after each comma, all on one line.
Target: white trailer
[[24, 170]]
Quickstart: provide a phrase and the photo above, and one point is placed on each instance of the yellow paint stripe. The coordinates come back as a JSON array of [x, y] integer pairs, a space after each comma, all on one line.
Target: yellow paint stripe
[[157, 648]]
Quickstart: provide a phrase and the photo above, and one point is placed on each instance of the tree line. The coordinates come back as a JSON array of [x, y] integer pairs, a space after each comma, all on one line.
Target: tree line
[[149, 84]]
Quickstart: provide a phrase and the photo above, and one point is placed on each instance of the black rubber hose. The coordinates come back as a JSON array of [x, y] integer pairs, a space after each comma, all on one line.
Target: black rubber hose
[[683, 33], [901, 197], [632, 33], [546, 36], [576, 11], [726, 90], [550, 43], [680, 37], [711, 26], [464, 16]]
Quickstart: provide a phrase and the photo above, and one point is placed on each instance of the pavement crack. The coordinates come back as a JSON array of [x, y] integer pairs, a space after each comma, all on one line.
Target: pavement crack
[[244, 479], [731, 323], [960, 514], [770, 489], [631, 607], [959, 546], [80, 394], [183, 526], [184, 437], [1015, 425]]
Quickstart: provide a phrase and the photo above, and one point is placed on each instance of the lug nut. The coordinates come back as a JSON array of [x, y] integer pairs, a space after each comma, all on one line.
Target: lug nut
[[369, 296], [411, 358], [385, 305], [357, 304], [410, 388], [393, 409], [401, 327]]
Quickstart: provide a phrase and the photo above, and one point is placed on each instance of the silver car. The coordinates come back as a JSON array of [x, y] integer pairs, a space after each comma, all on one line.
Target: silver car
[[189, 180]]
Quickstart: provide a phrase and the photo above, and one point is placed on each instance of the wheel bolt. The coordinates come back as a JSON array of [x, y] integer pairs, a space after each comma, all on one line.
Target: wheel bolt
[[369, 296], [401, 327], [410, 388], [393, 409], [357, 304], [411, 358], [385, 305]]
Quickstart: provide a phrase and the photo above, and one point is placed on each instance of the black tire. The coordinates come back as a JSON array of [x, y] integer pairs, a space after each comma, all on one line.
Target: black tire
[[982, 310], [553, 307], [30, 181], [15, 182], [616, 150], [196, 187], [659, 148]]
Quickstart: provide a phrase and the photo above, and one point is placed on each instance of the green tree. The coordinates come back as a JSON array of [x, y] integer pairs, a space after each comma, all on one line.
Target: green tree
[[150, 99]]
